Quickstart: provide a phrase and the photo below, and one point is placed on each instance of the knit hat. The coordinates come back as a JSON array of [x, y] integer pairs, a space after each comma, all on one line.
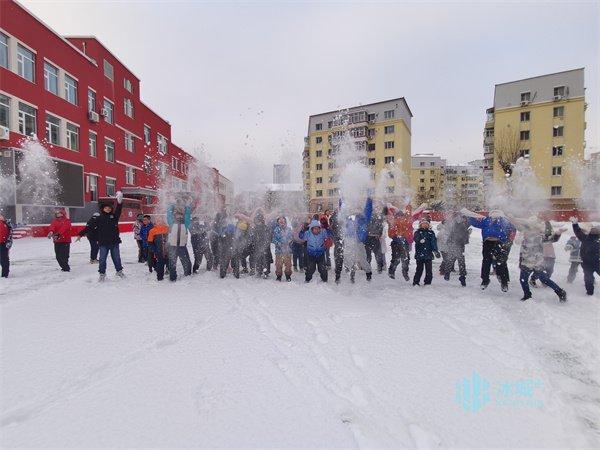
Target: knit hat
[[314, 224]]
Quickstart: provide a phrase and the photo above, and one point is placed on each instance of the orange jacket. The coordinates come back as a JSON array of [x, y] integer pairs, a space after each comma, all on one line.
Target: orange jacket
[[402, 226], [157, 229]]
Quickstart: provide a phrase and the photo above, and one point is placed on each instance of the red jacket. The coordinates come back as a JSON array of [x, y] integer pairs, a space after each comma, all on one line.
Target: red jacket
[[61, 230], [4, 232], [402, 226]]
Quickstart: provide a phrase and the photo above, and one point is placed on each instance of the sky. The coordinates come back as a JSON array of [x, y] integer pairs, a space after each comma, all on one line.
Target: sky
[[238, 80]]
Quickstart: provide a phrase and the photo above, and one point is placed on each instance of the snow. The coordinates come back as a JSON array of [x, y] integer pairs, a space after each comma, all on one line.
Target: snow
[[206, 362]]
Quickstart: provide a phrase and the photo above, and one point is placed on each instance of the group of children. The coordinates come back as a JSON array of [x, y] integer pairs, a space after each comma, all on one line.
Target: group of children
[[246, 243]]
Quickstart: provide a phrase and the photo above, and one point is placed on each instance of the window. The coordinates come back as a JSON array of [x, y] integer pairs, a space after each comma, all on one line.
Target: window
[[556, 190], [27, 120], [432, 164], [107, 111], [52, 130], [557, 131], [388, 114], [93, 186], [388, 144], [50, 78], [319, 180], [161, 144], [525, 116], [111, 187], [556, 171], [25, 63], [331, 165], [128, 107], [371, 117], [557, 150], [319, 193], [72, 137], [525, 96], [162, 170], [333, 179], [524, 135], [174, 163], [147, 164], [330, 124], [371, 147], [3, 50], [129, 175], [92, 141], [422, 164], [422, 172], [4, 111], [109, 150], [127, 85], [389, 129], [146, 134], [91, 100], [332, 192], [559, 111], [559, 91], [372, 161], [319, 153], [389, 159], [319, 166], [108, 70], [319, 126], [70, 89], [421, 180], [524, 153], [432, 180], [129, 145], [319, 139]]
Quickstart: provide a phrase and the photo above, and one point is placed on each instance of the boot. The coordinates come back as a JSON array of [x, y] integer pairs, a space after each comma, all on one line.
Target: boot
[[463, 281], [102, 277], [120, 274], [288, 278], [484, 285], [278, 278], [562, 295], [405, 275], [392, 275], [526, 297], [447, 276], [337, 278], [352, 276], [369, 275], [504, 287]]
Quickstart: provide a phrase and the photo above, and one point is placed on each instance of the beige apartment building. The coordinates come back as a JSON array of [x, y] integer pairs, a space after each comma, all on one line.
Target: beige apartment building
[[427, 178]]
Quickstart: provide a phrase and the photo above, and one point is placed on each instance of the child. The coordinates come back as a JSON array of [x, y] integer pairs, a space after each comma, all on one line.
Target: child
[[297, 247], [590, 253], [91, 232], [401, 232], [60, 233], [144, 230], [315, 239], [425, 249], [550, 237], [355, 242], [158, 254], [179, 221], [282, 238], [573, 246], [5, 245], [200, 244], [457, 237], [137, 226]]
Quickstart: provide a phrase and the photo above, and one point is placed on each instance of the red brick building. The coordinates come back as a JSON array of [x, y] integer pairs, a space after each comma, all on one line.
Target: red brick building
[[84, 104]]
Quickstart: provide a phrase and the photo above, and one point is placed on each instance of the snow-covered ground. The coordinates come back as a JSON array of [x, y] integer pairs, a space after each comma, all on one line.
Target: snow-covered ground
[[206, 362]]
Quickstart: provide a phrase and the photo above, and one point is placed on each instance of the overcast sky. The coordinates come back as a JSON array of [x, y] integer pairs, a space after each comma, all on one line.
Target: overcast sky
[[241, 79]]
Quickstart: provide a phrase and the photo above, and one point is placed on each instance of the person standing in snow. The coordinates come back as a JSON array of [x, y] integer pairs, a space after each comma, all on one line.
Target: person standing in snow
[[60, 233], [261, 243], [401, 232], [497, 233], [91, 232], [217, 226], [226, 256], [324, 219], [550, 237], [457, 237], [337, 231], [590, 253], [531, 257], [425, 250], [243, 250], [109, 238], [373, 241], [144, 230], [200, 244], [315, 238], [158, 249], [179, 220], [573, 246], [137, 226], [5, 245], [283, 239], [442, 238], [297, 246], [356, 235]]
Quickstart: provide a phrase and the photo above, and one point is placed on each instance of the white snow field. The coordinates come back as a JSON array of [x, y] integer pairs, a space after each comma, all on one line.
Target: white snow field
[[206, 362]]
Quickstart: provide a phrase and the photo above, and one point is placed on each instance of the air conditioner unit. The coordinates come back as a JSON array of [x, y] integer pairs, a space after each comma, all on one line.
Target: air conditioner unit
[[558, 97], [104, 112], [525, 103], [4, 133], [93, 116]]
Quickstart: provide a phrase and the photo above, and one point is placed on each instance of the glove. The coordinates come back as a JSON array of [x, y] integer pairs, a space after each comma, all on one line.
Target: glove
[[574, 219], [437, 255], [119, 197]]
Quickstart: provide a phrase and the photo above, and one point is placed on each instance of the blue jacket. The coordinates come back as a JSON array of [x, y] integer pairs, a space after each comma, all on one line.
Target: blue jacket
[[282, 238], [590, 247], [357, 228], [144, 230], [315, 243], [499, 228], [425, 244], [187, 216]]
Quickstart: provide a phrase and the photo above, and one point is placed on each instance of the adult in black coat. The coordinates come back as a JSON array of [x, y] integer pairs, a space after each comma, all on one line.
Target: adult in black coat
[[107, 226], [589, 252]]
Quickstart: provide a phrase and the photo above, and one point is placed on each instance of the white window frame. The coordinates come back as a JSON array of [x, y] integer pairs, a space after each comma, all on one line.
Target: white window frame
[[128, 85], [390, 129], [71, 89], [94, 153], [22, 61], [72, 136], [111, 109], [111, 70], [114, 186], [5, 49], [128, 107], [130, 175], [93, 187], [23, 119], [106, 141], [556, 171], [6, 104], [129, 142], [91, 105], [161, 142], [389, 145], [389, 159], [50, 126], [389, 114], [48, 67], [148, 136]]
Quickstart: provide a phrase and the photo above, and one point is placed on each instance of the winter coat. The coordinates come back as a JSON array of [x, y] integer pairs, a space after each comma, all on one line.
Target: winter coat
[[178, 228], [402, 226], [442, 237], [91, 228], [425, 244], [6, 233], [157, 240], [550, 237], [282, 238], [458, 232], [61, 230], [260, 236], [144, 230], [499, 229], [532, 251], [107, 226], [375, 225], [315, 243], [357, 228], [573, 246], [590, 247], [137, 227], [324, 222]]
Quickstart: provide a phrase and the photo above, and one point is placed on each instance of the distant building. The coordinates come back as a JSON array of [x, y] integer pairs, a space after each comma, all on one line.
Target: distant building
[[281, 173], [287, 196], [464, 186], [226, 192], [427, 178]]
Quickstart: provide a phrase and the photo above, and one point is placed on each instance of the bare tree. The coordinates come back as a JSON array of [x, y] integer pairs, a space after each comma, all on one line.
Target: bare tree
[[508, 146]]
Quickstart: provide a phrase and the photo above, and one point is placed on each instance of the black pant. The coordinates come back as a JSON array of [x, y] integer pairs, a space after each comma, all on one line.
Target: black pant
[[4, 260], [62, 251], [495, 253], [454, 254], [183, 254], [313, 263], [338, 256], [140, 250], [94, 247], [400, 254], [373, 245], [228, 257], [423, 264], [159, 265], [573, 271], [201, 248], [588, 276]]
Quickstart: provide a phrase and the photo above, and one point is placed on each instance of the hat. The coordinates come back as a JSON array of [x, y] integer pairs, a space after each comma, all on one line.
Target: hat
[[315, 224]]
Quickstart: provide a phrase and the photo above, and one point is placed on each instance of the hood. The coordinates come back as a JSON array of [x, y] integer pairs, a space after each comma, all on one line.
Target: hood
[[314, 223]]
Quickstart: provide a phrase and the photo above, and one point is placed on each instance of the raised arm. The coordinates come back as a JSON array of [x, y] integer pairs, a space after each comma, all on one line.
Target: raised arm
[[368, 212], [170, 219]]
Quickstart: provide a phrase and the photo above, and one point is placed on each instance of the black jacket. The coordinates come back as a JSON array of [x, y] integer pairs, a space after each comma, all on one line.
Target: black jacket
[[91, 229], [590, 247], [375, 226], [107, 227]]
